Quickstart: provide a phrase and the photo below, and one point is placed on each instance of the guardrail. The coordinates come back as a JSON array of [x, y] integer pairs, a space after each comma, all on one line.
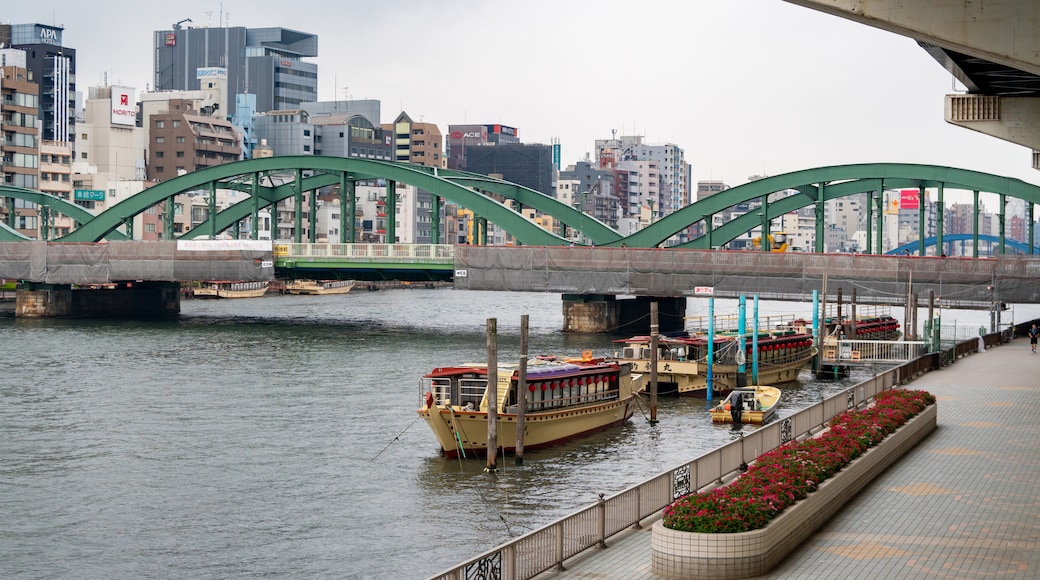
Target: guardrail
[[871, 351], [550, 546], [409, 253]]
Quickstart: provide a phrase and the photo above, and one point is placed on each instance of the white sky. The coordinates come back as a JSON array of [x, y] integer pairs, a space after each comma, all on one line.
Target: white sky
[[744, 87]]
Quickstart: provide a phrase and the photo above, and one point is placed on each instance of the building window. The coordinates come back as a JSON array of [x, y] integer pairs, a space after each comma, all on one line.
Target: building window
[[160, 154], [176, 124], [160, 124], [83, 155], [160, 169], [306, 147], [160, 139], [180, 139], [180, 154], [44, 158], [83, 136]]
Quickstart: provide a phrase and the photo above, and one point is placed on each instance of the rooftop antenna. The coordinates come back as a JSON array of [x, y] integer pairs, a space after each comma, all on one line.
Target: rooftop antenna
[[209, 19]]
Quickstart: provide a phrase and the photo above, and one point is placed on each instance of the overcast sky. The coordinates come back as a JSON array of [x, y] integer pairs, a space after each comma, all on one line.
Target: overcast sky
[[745, 87]]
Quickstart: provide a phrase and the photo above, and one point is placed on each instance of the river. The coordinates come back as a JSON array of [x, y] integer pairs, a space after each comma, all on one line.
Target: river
[[277, 437]]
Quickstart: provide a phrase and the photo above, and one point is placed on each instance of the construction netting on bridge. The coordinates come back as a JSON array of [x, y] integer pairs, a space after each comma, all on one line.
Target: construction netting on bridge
[[674, 272], [107, 262]]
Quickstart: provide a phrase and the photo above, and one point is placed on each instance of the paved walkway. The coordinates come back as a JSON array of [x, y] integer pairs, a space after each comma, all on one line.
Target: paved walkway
[[962, 505]]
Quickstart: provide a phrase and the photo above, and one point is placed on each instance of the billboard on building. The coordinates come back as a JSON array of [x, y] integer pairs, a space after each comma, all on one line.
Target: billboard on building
[[124, 106], [467, 133], [908, 199], [504, 130], [211, 72]]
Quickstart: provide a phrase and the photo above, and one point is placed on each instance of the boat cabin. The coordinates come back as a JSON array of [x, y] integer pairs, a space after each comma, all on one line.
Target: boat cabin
[[550, 385]]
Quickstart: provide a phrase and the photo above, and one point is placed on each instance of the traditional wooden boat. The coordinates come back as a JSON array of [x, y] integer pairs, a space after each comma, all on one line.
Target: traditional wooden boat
[[230, 289], [565, 399], [682, 361], [755, 404], [319, 286]]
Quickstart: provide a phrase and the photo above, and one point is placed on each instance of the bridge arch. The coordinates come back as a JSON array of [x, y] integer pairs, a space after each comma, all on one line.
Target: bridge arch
[[454, 186], [79, 215], [834, 181], [930, 242]]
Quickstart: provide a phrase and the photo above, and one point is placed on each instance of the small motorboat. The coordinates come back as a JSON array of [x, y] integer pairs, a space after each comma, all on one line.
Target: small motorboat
[[752, 404]]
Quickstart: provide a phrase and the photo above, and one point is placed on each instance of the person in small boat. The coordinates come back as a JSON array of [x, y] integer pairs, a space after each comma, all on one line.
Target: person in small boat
[[735, 405]]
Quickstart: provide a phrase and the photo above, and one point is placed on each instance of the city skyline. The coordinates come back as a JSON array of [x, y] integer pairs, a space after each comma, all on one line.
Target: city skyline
[[749, 88]]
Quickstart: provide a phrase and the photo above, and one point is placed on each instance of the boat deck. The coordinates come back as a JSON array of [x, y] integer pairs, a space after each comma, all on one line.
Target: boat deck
[[962, 504]]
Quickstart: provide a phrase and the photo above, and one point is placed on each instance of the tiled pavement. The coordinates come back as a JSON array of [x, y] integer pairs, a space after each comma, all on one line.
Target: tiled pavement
[[962, 505]]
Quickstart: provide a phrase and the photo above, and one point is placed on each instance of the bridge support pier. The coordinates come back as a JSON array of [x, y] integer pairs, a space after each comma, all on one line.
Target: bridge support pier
[[126, 299], [604, 313]]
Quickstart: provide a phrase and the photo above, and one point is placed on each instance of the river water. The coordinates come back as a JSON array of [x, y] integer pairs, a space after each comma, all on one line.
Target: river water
[[278, 437]]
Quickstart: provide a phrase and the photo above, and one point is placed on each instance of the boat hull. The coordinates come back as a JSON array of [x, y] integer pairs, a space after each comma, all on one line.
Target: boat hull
[[234, 290], [457, 430], [309, 287]]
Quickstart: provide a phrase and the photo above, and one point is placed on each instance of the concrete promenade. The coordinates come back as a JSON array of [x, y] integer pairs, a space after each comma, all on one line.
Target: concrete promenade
[[962, 505]]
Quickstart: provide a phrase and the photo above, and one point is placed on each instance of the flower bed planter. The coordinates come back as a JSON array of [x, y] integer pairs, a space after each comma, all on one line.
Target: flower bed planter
[[718, 556]]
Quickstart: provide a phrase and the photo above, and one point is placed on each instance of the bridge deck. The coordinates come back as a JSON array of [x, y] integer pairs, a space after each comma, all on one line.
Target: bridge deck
[[162, 261]]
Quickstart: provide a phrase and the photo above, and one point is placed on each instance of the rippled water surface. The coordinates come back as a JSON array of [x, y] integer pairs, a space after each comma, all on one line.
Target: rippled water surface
[[278, 437]]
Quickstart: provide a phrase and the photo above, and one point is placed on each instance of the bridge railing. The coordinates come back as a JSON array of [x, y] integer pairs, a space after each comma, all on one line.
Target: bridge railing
[[439, 253], [539, 550]]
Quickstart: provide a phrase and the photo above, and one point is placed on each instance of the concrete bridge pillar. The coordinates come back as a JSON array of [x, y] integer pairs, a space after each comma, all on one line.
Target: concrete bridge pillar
[[126, 299], [604, 313]]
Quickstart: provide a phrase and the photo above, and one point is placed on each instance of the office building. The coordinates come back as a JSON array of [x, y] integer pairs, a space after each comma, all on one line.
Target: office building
[[267, 62], [462, 137], [182, 140], [528, 164]]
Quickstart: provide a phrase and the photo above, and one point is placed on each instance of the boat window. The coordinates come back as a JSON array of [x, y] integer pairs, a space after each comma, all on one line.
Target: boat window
[[471, 391], [629, 353]]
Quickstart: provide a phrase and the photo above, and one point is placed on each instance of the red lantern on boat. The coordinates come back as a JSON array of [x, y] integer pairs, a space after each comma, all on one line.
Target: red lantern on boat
[[545, 386], [531, 387]]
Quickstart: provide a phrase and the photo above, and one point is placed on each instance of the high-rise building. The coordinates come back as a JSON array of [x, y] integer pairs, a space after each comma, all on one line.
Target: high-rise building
[[52, 66], [267, 62]]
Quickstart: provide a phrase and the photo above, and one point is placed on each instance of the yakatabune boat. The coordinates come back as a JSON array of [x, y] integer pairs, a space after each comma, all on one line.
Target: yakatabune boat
[[230, 289], [682, 361], [319, 286], [565, 399], [755, 404]]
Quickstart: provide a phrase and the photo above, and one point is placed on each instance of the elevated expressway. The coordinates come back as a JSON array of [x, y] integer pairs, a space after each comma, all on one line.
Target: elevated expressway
[[991, 46]]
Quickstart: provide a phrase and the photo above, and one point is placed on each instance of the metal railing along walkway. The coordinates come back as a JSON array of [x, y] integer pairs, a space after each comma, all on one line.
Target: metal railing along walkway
[[550, 546]]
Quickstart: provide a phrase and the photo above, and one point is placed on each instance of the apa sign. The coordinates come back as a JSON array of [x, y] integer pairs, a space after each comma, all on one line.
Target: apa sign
[[49, 35], [124, 106]]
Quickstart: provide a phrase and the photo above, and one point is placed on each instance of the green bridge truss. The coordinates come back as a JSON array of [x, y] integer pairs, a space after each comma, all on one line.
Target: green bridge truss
[[814, 187]]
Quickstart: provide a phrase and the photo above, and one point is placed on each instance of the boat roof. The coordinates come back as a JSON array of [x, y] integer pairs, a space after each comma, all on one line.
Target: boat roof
[[537, 368], [700, 339]]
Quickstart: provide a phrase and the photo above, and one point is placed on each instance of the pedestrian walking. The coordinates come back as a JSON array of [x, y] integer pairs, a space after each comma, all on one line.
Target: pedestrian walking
[[1033, 333]]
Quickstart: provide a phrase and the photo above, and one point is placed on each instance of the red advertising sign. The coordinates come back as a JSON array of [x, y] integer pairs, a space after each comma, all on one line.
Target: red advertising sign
[[171, 39], [908, 199]]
